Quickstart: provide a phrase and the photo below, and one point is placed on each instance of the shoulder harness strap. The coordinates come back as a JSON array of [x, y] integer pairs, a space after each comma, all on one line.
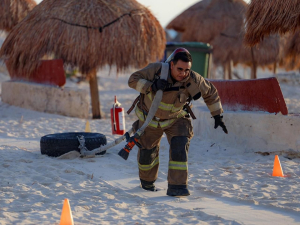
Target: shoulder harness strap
[[193, 89], [139, 98], [133, 104]]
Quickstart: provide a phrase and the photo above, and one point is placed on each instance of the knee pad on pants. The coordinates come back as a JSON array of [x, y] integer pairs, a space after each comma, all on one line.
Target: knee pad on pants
[[148, 155], [179, 148]]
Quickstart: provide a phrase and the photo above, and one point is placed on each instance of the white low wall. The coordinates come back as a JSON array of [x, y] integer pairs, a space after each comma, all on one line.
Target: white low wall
[[251, 131], [46, 98], [291, 78]]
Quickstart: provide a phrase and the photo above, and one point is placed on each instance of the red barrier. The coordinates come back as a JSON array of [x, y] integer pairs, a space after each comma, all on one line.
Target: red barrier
[[49, 72], [251, 95]]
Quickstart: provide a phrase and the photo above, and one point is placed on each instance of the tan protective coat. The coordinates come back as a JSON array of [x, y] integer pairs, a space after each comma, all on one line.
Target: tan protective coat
[[142, 80]]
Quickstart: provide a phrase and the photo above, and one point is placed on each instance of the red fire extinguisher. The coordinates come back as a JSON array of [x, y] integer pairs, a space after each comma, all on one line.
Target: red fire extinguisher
[[117, 118]]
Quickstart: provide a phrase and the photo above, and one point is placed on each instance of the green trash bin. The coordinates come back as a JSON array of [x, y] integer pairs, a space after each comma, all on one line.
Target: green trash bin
[[201, 54]]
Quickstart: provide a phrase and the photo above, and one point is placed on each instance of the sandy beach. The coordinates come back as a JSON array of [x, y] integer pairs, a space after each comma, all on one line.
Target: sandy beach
[[228, 185]]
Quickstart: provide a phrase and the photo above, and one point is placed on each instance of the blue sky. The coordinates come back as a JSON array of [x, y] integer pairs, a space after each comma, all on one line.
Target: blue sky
[[165, 10]]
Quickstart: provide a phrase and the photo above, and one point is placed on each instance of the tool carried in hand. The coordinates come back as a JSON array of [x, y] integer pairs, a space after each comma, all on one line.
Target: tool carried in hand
[[131, 142]]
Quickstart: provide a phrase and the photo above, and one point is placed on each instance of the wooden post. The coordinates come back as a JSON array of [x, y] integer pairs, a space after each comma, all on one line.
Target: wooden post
[[213, 71], [225, 71], [275, 67], [229, 67], [210, 67], [95, 95], [245, 72], [254, 65]]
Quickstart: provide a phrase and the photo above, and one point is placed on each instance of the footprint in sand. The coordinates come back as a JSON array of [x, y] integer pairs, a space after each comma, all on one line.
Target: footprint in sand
[[74, 171], [108, 196], [122, 205], [25, 161]]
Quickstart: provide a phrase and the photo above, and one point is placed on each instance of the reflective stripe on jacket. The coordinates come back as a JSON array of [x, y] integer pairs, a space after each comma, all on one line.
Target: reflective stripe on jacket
[[154, 123]]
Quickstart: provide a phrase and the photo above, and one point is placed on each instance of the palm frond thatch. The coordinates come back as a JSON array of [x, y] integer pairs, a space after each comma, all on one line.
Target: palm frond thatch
[[218, 16], [181, 22], [69, 29], [291, 52], [270, 16], [229, 46], [221, 23], [13, 11], [208, 18]]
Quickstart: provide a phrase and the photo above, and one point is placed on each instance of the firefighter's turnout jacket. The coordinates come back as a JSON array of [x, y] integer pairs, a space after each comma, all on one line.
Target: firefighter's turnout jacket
[[174, 97], [170, 118]]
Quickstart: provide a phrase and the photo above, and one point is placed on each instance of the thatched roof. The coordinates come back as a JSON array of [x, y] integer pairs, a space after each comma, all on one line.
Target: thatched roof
[[229, 46], [87, 34], [221, 23], [182, 21], [208, 18], [270, 16], [13, 11], [291, 51]]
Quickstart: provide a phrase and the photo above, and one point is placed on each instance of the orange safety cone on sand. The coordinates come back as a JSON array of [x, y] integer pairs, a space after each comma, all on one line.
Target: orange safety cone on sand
[[277, 170], [66, 217], [87, 126]]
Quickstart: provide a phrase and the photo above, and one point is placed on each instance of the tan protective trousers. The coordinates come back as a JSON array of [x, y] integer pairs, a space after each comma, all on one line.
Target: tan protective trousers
[[148, 155]]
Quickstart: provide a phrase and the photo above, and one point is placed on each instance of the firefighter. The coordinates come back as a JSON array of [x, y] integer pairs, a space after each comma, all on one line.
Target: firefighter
[[171, 118]]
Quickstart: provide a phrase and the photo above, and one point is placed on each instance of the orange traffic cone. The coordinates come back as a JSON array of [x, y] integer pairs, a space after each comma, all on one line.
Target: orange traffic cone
[[66, 217], [277, 170], [87, 126]]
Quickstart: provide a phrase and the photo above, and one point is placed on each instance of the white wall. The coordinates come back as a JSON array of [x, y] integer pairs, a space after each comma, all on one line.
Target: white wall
[[46, 98], [251, 131]]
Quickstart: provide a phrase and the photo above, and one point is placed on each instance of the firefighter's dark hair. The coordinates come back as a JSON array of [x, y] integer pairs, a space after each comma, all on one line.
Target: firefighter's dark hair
[[184, 56]]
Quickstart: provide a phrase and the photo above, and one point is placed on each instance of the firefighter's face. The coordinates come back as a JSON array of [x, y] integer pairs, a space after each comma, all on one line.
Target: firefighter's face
[[180, 70]]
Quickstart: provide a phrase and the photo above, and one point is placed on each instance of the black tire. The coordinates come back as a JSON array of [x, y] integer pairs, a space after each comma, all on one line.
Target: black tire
[[60, 143]]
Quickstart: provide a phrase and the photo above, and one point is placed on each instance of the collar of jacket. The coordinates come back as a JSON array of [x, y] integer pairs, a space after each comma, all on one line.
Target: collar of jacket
[[183, 81]]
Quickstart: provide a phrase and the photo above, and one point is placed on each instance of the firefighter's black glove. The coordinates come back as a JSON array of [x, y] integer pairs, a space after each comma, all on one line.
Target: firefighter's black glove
[[159, 84], [219, 122]]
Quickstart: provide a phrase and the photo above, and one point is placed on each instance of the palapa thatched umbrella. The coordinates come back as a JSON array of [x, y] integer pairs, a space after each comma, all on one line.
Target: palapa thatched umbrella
[[291, 50], [182, 22], [87, 34], [206, 19], [13, 11], [229, 46], [221, 23], [270, 16]]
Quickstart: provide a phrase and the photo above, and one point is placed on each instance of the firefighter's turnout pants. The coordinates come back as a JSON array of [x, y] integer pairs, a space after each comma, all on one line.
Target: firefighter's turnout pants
[[178, 135]]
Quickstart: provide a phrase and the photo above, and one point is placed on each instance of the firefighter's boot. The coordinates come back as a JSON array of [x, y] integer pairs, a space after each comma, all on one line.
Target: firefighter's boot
[[178, 190], [148, 185]]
